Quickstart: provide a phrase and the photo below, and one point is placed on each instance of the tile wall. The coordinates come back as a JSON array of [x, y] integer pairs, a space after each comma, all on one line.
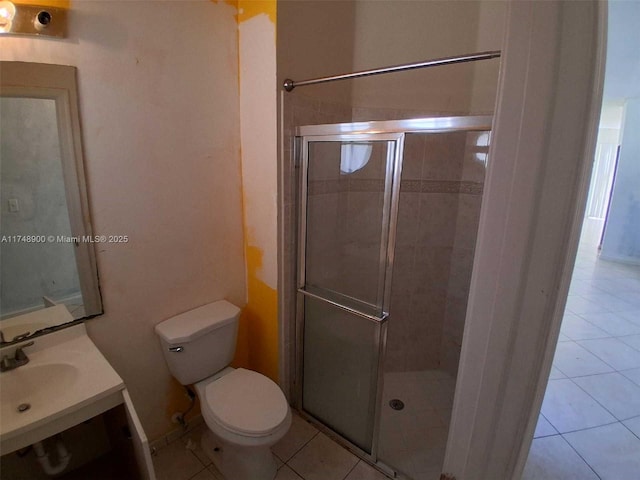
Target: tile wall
[[438, 215]]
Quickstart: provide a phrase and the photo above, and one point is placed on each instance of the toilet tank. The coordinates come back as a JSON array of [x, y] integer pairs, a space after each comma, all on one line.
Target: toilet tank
[[198, 343]]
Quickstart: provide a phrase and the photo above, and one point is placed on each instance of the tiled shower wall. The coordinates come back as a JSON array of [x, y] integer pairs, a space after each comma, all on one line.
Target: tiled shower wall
[[438, 214], [441, 192]]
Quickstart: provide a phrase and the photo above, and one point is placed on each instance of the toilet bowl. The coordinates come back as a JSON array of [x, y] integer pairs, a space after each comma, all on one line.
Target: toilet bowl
[[245, 412]]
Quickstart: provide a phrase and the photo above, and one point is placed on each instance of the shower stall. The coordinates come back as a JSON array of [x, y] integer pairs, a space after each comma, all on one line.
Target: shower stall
[[388, 213]]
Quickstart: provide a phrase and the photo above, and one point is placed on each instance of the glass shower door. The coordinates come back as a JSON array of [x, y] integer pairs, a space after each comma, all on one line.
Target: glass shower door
[[347, 196], [378, 356]]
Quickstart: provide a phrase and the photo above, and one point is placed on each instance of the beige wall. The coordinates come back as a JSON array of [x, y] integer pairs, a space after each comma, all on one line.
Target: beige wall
[[439, 208], [159, 109], [320, 38], [397, 32], [491, 24], [316, 39], [405, 31]]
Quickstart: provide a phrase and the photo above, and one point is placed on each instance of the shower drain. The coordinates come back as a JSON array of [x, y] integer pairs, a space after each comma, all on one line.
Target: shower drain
[[396, 404]]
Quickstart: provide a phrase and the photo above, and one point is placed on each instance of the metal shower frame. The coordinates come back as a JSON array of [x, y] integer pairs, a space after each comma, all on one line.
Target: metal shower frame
[[394, 133]]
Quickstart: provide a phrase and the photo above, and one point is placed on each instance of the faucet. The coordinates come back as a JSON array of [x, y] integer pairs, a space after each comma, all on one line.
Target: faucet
[[19, 358]]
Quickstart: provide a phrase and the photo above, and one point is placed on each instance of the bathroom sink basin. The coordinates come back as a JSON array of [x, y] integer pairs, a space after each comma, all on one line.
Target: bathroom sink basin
[[31, 387], [66, 381]]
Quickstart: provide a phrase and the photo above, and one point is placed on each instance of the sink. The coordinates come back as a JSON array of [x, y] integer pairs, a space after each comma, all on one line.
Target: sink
[[66, 381], [31, 387]]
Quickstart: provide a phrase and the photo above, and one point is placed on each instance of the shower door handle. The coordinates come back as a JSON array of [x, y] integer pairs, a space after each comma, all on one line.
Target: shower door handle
[[372, 318]]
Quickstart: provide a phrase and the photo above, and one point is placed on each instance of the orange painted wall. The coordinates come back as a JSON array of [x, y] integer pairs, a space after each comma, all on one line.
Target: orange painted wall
[[250, 8], [45, 3], [261, 317]]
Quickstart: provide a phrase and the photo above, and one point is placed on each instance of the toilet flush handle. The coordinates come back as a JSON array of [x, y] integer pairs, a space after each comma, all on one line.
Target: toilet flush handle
[[176, 349]]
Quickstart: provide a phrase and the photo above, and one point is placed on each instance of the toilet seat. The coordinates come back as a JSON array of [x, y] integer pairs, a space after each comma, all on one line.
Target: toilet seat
[[246, 403]]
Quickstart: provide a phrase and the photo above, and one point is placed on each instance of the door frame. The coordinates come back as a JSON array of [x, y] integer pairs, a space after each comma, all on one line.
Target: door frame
[[542, 147]]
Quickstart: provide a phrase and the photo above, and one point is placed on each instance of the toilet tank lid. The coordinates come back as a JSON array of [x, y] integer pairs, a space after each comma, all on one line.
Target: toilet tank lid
[[190, 325]]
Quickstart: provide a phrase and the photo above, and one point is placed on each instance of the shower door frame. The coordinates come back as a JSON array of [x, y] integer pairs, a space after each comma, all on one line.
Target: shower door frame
[[326, 133], [389, 213], [391, 131]]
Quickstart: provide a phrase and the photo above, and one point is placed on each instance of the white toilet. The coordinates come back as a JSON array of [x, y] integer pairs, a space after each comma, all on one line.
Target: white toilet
[[245, 411]]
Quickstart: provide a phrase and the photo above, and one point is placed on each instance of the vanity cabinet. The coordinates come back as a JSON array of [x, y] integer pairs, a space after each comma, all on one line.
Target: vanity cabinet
[[106, 447], [68, 385]]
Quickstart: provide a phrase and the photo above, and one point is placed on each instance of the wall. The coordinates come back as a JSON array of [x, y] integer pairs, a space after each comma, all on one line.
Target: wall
[[438, 214], [316, 39], [258, 345], [622, 75], [430, 30], [392, 33], [622, 231], [31, 175], [492, 16], [622, 86], [604, 164], [161, 130]]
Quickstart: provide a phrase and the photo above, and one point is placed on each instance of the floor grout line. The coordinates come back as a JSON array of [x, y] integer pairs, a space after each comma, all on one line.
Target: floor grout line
[[299, 449], [632, 432], [352, 468], [583, 459], [601, 359], [598, 402]]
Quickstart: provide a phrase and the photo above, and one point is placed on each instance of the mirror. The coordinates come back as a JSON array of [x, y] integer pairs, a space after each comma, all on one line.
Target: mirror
[[48, 273]]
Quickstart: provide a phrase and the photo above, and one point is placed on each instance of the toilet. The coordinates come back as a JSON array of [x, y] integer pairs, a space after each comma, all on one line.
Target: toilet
[[245, 411]]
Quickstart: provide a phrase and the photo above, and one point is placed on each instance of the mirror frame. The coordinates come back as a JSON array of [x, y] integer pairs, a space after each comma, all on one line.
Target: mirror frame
[[58, 83]]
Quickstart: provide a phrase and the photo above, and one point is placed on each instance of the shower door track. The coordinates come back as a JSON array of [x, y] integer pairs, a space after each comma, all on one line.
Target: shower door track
[[415, 125]]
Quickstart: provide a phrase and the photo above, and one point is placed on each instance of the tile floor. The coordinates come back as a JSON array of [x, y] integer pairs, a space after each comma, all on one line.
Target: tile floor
[[303, 454], [589, 426], [306, 454]]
